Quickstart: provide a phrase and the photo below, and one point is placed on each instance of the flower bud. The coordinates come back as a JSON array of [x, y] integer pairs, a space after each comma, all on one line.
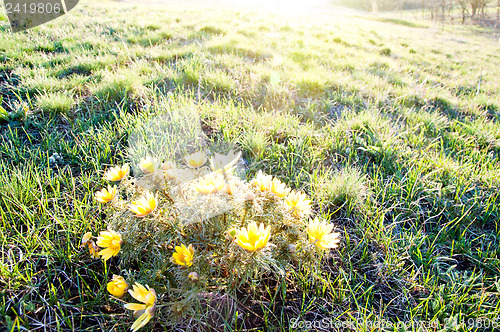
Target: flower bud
[[229, 189], [93, 250], [250, 196], [193, 276], [117, 286], [148, 165], [168, 165], [232, 232], [170, 173], [86, 239]]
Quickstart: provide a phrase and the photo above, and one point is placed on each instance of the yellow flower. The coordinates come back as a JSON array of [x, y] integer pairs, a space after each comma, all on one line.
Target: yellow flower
[[183, 256], [298, 203], [144, 206], [265, 182], [117, 173], [169, 169], [279, 188], [93, 250], [196, 159], [86, 239], [148, 165], [117, 286], [320, 234], [143, 312], [106, 195], [253, 238], [87, 242], [222, 163], [210, 184], [110, 240], [262, 181], [143, 294]]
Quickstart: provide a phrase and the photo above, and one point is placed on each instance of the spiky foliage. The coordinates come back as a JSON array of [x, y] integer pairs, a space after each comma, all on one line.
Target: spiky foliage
[[210, 230]]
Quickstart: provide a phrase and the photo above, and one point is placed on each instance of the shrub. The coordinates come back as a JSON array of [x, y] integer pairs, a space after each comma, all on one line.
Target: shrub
[[195, 232], [347, 187], [386, 52]]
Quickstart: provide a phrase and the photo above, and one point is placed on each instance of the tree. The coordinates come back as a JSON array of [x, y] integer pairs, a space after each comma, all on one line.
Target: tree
[[498, 12], [464, 9], [375, 7], [477, 6]]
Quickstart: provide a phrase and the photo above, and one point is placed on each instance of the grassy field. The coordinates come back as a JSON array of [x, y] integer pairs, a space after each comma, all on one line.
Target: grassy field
[[392, 127]]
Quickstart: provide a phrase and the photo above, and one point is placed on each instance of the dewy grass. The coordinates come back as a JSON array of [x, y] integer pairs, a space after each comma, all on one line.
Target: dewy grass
[[55, 102], [399, 150]]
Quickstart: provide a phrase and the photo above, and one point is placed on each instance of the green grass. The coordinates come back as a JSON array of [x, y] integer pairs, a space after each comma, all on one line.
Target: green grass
[[382, 122], [402, 22], [55, 102]]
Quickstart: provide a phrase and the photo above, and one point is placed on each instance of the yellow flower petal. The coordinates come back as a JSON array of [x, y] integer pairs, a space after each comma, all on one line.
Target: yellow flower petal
[[143, 294], [141, 321], [224, 163], [135, 306]]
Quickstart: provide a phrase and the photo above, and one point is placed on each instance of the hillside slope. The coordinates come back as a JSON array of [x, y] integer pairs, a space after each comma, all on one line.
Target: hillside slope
[[391, 126]]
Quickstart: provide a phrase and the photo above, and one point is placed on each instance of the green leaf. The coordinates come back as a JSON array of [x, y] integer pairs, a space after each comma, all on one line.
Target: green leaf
[[3, 113]]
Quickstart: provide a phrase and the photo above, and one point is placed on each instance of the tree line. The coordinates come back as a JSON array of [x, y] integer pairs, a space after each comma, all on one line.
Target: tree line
[[464, 10]]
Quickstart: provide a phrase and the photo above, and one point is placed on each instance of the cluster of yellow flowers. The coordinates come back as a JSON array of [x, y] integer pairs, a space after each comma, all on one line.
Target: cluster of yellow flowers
[[296, 201], [143, 311], [206, 182], [255, 237]]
